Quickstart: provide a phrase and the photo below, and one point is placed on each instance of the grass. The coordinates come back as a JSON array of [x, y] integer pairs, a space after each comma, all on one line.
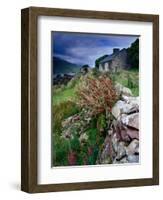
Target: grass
[[128, 78], [67, 94]]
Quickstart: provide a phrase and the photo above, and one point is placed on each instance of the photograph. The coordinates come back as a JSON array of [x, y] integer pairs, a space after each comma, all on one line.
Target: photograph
[[95, 99], [89, 99]]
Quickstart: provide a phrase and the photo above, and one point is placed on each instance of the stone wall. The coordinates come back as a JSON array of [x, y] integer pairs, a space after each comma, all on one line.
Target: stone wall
[[120, 61]]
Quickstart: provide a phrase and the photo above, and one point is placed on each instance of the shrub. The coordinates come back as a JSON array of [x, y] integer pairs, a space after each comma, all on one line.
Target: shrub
[[97, 94]]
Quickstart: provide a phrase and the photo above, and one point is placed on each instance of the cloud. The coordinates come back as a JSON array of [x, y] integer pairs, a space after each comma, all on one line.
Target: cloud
[[88, 55], [85, 48]]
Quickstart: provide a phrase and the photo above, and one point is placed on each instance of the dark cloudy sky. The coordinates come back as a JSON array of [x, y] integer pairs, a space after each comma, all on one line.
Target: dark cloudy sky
[[83, 48]]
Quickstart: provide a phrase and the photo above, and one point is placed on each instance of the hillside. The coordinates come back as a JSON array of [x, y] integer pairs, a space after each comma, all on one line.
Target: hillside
[[61, 66]]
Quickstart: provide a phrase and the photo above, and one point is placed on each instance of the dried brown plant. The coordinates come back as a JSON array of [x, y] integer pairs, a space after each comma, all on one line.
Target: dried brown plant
[[97, 94]]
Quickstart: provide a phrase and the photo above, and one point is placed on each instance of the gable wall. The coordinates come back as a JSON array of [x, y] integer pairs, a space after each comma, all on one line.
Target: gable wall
[[120, 61]]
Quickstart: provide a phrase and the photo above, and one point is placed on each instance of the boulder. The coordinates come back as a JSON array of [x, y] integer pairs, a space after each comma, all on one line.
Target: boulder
[[121, 150], [110, 132], [132, 133], [127, 105], [121, 107], [131, 120], [133, 158], [121, 90], [133, 148], [107, 153], [133, 101], [120, 131], [124, 135], [104, 157], [115, 142]]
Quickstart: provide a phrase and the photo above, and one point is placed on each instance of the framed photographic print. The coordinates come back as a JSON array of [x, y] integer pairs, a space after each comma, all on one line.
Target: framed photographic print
[[90, 100]]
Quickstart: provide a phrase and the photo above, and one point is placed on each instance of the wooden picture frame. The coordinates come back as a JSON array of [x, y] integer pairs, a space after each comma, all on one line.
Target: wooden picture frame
[[29, 97]]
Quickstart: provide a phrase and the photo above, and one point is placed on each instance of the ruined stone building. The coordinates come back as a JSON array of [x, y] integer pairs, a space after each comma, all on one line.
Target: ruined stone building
[[117, 60]]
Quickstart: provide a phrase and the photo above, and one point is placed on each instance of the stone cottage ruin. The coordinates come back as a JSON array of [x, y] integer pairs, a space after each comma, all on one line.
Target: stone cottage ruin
[[117, 60]]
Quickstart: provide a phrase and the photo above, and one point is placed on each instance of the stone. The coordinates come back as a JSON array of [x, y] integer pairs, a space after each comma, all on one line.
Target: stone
[[121, 90], [131, 120], [121, 131], [116, 111], [121, 150], [110, 132], [133, 158], [133, 147], [107, 153], [121, 107], [115, 142], [124, 135], [124, 132], [132, 133], [133, 101]]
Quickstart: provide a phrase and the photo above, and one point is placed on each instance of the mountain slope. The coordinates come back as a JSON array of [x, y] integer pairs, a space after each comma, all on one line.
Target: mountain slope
[[61, 66]]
